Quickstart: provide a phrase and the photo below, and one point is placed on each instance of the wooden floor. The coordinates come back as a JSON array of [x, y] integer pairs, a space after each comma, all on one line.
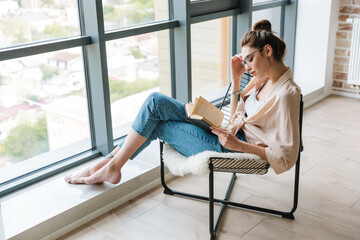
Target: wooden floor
[[329, 201]]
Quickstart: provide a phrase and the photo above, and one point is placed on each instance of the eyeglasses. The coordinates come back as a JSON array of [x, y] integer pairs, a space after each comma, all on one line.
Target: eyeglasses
[[247, 60]]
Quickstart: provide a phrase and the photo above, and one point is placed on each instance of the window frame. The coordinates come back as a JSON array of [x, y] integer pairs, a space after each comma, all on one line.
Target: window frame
[[93, 42]]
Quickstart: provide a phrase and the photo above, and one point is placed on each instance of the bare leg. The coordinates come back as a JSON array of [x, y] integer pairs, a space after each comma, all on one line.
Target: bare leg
[[111, 171], [88, 171]]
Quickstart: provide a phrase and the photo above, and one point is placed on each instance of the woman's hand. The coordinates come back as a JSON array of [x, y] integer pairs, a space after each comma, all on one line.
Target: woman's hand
[[227, 138], [237, 69]]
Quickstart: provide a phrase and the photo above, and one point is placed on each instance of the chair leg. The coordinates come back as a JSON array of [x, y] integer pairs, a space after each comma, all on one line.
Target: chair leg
[[290, 215], [211, 202], [214, 230], [167, 190]]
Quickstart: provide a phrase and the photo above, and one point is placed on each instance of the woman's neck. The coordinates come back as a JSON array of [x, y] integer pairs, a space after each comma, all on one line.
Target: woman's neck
[[276, 71]]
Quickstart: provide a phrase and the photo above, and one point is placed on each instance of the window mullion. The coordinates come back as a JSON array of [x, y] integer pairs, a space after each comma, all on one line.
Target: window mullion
[[234, 41], [282, 21], [182, 50], [243, 23], [92, 22], [290, 31], [172, 50]]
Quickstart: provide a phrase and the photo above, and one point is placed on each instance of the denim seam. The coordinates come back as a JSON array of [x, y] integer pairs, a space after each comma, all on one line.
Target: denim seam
[[169, 108], [140, 133], [191, 133]]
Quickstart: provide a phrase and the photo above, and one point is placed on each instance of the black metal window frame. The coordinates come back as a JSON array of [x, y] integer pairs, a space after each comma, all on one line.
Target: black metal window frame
[[182, 13]]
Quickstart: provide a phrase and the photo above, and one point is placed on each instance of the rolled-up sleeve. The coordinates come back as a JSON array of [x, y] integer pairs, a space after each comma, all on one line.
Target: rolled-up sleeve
[[278, 163]]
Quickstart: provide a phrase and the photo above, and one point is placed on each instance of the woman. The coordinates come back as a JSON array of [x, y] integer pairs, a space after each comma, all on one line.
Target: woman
[[265, 115]]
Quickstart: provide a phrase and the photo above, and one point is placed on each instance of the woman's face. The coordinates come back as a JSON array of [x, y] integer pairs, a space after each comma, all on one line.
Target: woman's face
[[255, 61]]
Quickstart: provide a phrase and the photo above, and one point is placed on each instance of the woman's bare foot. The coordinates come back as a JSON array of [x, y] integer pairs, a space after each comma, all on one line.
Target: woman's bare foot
[[78, 174], [86, 172], [109, 173]]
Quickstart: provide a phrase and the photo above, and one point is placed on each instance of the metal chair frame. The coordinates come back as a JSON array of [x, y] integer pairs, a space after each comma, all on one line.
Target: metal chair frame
[[225, 202]]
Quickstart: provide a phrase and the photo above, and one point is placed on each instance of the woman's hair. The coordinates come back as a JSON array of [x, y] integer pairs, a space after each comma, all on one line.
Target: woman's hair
[[262, 35]]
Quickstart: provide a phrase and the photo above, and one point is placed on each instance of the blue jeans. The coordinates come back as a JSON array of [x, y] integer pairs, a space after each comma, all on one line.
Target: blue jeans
[[164, 118]]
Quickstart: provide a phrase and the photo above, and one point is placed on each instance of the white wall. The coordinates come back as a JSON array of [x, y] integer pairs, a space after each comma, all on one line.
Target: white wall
[[315, 44]]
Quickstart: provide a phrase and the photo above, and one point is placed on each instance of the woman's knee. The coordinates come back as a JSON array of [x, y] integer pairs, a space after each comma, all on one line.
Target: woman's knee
[[157, 98], [157, 133]]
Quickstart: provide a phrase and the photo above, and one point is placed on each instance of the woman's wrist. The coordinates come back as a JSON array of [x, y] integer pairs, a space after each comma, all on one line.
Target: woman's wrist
[[236, 95], [239, 146], [235, 81], [235, 86], [237, 77]]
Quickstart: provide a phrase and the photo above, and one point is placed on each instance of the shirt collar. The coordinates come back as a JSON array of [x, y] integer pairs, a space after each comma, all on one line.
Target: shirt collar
[[283, 79]]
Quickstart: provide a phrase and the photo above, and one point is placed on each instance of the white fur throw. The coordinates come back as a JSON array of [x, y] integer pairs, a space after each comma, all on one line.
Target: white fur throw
[[180, 165]]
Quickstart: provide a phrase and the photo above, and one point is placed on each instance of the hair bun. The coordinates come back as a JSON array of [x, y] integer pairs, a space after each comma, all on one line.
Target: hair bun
[[262, 25]]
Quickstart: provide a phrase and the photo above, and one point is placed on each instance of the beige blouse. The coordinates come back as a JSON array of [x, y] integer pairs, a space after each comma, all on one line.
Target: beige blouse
[[276, 125]]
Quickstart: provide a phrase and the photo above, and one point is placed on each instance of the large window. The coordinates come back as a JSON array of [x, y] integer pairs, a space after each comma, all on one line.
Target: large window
[[70, 68]]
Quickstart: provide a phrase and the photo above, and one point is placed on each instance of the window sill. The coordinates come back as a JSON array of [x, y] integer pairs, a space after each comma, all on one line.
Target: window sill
[[311, 93], [51, 208]]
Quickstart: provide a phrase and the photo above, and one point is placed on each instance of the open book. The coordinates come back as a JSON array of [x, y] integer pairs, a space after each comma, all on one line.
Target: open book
[[203, 114]]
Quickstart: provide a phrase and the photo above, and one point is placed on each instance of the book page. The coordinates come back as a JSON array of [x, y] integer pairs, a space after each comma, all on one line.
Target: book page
[[211, 113], [195, 102], [189, 107]]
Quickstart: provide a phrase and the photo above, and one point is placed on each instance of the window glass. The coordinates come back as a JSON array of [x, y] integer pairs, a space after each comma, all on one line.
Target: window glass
[[137, 66], [29, 21], [210, 56], [43, 109], [123, 13], [271, 14]]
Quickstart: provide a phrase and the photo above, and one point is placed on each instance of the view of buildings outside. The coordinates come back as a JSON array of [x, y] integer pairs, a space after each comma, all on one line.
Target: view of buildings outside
[[43, 105]]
